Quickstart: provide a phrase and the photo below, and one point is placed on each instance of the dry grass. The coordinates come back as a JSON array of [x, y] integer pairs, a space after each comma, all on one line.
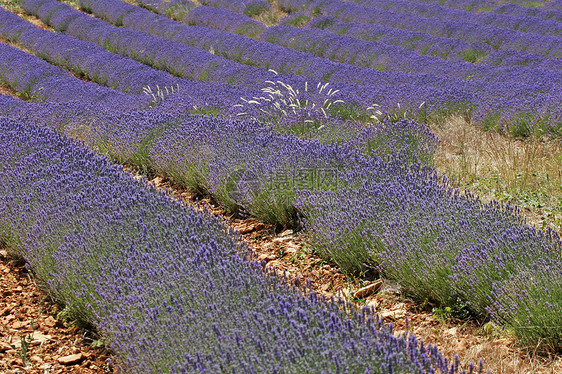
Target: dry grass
[[5, 90], [273, 16], [526, 172]]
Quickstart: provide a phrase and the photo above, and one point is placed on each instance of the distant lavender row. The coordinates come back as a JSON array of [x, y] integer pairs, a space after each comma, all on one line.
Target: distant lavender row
[[104, 67], [520, 112], [436, 11], [247, 7], [517, 10], [36, 79], [387, 89], [279, 59], [221, 19], [97, 64], [492, 85], [84, 58], [445, 48], [550, 10], [495, 37], [178, 59], [382, 56], [151, 273]]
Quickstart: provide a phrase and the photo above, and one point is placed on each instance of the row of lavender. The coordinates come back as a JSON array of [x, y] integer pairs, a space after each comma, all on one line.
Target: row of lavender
[[376, 55], [497, 38], [188, 97], [88, 60], [387, 94], [421, 43], [231, 181], [411, 227], [151, 273], [523, 110], [520, 23], [429, 45], [547, 10], [130, 140], [486, 84]]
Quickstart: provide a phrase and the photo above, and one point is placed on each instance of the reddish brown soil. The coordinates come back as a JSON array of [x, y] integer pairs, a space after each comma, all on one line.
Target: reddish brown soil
[[54, 346]]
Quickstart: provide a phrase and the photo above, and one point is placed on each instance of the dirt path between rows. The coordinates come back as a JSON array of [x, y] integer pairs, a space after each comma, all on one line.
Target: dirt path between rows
[[34, 338]]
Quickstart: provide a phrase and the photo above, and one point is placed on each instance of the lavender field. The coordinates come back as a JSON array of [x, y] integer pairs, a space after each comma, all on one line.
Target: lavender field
[[312, 115]]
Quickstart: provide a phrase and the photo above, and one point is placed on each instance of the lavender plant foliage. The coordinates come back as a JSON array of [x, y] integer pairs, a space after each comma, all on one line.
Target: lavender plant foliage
[[443, 246], [224, 20], [497, 38], [549, 10], [382, 56], [180, 60], [441, 47], [517, 10], [248, 167], [413, 90], [436, 11], [84, 58], [176, 9], [150, 273], [35, 79], [97, 64], [298, 19]]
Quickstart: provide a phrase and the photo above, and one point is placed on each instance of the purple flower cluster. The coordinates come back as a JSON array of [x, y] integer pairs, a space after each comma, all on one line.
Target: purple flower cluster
[[497, 38], [224, 20], [435, 11], [380, 56], [168, 286]]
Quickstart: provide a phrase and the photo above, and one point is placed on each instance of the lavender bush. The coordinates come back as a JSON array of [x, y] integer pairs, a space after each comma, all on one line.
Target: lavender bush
[[248, 7], [176, 9], [443, 247], [150, 273], [224, 20]]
